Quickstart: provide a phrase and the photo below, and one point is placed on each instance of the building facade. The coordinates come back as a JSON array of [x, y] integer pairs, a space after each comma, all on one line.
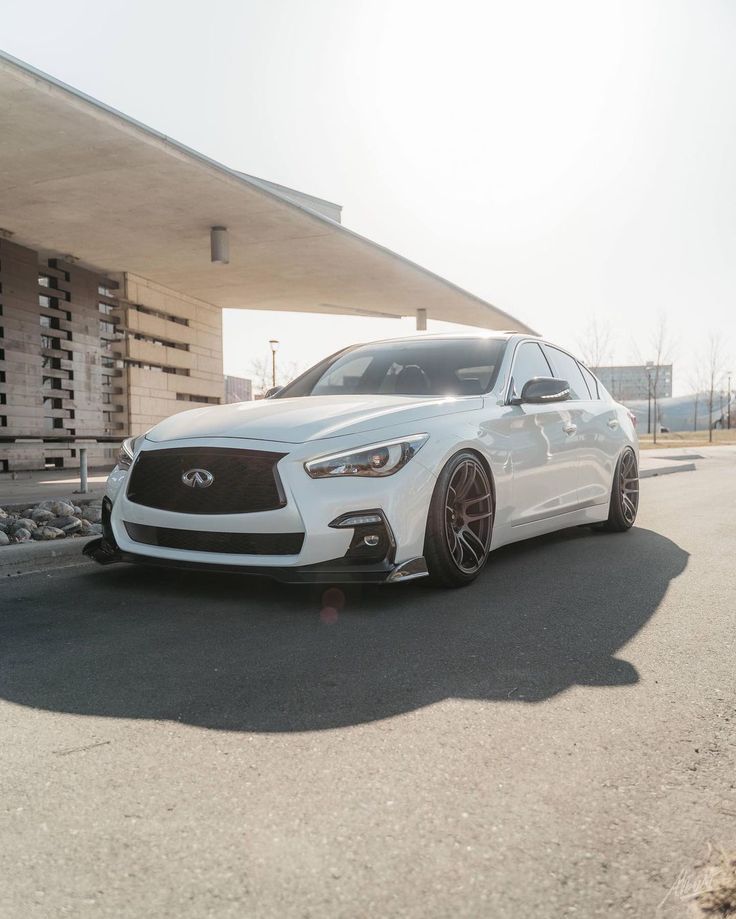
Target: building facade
[[170, 352], [238, 389], [86, 359], [637, 381]]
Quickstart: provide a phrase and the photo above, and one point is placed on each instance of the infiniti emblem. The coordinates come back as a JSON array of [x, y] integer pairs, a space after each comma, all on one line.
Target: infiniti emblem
[[198, 478]]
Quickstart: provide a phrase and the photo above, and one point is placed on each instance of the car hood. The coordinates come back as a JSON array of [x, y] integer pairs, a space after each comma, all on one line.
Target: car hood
[[297, 421]]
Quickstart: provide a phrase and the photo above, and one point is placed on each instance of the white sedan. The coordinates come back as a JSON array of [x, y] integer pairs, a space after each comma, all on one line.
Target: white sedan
[[385, 462]]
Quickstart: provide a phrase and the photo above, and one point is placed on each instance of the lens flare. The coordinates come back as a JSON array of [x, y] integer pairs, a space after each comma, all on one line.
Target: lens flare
[[333, 600]]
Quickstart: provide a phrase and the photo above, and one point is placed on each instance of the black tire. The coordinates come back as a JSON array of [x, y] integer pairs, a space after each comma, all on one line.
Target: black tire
[[624, 494], [460, 522]]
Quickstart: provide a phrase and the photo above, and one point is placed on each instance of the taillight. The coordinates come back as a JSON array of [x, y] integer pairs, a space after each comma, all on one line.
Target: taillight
[[632, 416]]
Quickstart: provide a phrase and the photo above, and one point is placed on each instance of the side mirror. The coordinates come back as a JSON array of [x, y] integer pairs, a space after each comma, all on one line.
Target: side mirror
[[540, 390], [272, 391]]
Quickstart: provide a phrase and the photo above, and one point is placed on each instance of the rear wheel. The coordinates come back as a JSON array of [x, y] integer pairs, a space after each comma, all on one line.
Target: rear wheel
[[460, 522], [624, 494]]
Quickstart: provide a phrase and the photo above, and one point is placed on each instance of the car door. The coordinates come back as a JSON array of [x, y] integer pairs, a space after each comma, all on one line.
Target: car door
[[543, 445], [599, 436]]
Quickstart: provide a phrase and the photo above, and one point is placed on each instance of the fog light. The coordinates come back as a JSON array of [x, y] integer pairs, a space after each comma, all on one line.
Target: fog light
[[372, 539]]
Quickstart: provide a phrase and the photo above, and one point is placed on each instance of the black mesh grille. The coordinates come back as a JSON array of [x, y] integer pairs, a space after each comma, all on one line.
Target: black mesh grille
[[234, 543], [244, 481]]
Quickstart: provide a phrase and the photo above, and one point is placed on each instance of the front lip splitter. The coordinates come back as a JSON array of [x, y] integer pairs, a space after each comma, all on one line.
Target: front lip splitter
[[335, 571]]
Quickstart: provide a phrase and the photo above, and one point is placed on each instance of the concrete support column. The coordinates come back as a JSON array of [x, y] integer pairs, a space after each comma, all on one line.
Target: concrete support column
[[421, 320], [83, 489]]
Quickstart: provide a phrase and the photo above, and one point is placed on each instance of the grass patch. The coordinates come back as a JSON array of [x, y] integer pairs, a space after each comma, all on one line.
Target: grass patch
[[687, 439]]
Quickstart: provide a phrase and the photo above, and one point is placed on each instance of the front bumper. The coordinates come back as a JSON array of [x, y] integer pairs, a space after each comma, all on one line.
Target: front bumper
[[311, 511]]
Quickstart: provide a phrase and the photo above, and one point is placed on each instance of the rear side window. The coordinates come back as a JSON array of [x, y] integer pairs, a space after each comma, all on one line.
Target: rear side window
[[567, 368], [591, 381]]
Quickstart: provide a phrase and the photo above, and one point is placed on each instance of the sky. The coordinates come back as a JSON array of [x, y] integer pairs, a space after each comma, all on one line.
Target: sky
[[570, 162]]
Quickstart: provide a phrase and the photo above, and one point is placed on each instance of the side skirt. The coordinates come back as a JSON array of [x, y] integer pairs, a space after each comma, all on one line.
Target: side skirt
[[594, 514]]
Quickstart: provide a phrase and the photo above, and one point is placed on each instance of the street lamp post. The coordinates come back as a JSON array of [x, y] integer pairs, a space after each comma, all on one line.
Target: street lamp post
[[274, 348], [729, 401], [649, 398]]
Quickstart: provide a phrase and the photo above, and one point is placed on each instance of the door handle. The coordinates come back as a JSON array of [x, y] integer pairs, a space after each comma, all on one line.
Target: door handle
[[570, 428], [612, 423]]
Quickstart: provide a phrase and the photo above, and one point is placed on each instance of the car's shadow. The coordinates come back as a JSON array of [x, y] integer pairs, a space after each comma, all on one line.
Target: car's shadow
[[232, 653]]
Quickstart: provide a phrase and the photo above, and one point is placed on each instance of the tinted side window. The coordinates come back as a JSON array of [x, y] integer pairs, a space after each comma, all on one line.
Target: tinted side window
[[567, 368], [592, 383], [529, 362]]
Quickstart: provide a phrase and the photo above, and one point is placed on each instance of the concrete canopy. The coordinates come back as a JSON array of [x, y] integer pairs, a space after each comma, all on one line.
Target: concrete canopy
[[79, 178]]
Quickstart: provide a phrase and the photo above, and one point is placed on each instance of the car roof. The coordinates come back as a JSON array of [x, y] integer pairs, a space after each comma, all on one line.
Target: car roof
[[480, 335]]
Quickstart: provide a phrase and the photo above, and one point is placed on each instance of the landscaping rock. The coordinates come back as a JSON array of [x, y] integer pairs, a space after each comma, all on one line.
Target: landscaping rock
[[93, 514], [46, 532], [68, 524], [52, 519], [58, 508], [26, 523], [41, 515]]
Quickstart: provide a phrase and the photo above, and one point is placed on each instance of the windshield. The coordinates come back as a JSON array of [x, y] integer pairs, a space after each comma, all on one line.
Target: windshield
[[429, 367]]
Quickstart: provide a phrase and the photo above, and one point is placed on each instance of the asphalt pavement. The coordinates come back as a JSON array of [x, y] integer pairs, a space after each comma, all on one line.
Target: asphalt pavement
[[19, 489], [557, 739]]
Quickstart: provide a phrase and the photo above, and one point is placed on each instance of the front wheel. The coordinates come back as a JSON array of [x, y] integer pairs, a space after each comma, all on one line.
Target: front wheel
[[460, 522], [624, 494]]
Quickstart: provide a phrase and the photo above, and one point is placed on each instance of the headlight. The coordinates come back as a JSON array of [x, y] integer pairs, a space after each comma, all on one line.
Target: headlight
[[127, 451], [381, 459]]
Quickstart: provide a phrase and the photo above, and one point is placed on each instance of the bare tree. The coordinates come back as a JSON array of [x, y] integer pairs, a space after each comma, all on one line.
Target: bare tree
[[662, 348], [714, 365], [261, 373], [695, 382], [595, 343], [288, 371]]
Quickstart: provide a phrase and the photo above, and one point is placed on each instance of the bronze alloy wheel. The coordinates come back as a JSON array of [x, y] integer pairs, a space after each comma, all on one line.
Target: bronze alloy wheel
[[624, 502], [628, 483], [468, 515]]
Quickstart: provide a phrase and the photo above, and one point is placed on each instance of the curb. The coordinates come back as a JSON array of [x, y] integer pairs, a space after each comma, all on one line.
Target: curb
[[26, 557], [666, 470]]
